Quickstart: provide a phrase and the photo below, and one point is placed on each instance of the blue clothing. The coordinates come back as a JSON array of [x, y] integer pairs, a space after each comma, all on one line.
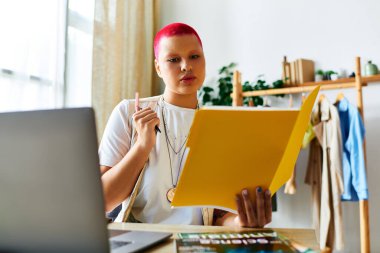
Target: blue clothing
[[354, 172]]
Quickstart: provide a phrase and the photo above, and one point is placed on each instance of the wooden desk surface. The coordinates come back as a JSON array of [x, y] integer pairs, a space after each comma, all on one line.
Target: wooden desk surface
[[305, 237]]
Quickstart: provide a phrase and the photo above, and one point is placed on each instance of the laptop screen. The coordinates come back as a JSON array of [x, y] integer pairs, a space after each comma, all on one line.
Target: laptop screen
[[50, 189]]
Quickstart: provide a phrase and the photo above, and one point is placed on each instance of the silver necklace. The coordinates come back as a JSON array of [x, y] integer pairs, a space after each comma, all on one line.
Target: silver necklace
[[167, 135], [170, 193]]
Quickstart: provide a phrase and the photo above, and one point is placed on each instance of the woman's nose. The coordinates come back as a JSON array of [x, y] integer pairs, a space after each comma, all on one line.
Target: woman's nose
[[186, 66]]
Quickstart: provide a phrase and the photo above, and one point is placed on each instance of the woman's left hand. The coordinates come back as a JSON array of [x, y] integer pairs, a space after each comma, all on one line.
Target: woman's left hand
[[254, 214]]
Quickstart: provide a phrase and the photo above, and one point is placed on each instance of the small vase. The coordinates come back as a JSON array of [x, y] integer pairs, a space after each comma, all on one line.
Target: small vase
[[342, 73], [371, 69]]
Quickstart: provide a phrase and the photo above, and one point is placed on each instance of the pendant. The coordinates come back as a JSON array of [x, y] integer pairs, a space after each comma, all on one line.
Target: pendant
[[170, 194]]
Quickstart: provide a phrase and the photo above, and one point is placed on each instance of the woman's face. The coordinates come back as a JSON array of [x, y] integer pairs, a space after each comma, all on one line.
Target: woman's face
[[181, 64]]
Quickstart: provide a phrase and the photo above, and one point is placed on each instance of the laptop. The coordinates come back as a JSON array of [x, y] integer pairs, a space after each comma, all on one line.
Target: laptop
[[51, 196]]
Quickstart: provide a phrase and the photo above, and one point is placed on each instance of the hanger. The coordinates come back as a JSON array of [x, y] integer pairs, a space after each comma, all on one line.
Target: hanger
[[339, 97], [321, 98]]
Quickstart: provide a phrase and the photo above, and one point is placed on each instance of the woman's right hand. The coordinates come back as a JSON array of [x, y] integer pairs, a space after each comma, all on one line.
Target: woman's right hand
[[145, 121]]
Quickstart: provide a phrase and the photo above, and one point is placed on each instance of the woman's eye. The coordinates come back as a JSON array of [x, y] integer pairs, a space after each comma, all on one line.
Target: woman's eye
[[176, 59], [195, 56]]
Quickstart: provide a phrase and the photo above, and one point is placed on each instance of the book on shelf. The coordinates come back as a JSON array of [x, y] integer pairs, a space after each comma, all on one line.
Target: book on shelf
[[297, 77], [301, 71], [251, 241], [231, 148], [305, 70], [293, 74]]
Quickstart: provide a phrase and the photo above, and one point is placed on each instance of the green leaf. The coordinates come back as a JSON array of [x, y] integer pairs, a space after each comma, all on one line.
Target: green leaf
[[206, 98], [232, 65], [215, 101], [228, 79], [258, 101], [207, 89], [278, 84]]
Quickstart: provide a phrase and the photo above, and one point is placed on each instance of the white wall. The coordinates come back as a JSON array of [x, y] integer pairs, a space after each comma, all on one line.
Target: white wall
[[257, 34]]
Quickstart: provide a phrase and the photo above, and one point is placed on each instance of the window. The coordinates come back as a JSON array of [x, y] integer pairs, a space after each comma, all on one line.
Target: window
[[79, 53], [35, 73]]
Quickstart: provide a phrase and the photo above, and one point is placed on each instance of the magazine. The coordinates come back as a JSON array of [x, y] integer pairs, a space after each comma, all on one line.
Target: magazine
[[262, 241], [231, 148]]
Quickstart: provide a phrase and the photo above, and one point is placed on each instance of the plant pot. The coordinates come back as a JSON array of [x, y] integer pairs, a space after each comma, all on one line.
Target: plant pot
[[334, 77], [318, 78]]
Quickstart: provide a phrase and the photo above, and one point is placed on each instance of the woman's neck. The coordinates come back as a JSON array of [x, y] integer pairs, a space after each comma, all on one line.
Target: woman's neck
[[187, 101]]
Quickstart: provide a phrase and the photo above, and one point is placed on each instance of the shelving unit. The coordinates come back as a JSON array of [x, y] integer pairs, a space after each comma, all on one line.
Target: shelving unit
[[306, 87], [357, 82]]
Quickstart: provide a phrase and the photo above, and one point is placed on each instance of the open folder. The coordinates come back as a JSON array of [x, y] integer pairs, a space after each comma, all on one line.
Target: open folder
[[231, 148]]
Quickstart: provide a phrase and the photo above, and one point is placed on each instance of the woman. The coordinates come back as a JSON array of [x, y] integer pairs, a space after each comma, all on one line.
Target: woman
[[180, 62]]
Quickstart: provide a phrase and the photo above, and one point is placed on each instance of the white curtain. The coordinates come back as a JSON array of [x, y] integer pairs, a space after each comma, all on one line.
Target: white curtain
[[122, 54]]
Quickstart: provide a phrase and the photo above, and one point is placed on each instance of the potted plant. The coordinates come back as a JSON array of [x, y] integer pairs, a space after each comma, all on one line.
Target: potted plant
[[225, 88], [319, 75], [331, 75], [207, 96]]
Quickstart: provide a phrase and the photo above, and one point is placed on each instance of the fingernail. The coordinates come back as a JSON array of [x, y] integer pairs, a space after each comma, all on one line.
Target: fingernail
[[245, 192], [259, 189], [267, 192]]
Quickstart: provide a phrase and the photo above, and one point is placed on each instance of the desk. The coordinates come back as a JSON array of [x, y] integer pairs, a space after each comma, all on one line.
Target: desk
[[303, 236]]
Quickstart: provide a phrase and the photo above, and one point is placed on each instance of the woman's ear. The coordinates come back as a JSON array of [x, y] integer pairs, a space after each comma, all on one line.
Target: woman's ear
[[157, 68]]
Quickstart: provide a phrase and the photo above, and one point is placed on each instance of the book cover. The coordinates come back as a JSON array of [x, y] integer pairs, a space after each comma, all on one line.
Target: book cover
[[306, 70], [231, 148], [297, 73], [293, 74], [253, 241]]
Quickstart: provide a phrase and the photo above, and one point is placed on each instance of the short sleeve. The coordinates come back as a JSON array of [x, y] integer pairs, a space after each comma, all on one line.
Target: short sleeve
[[116, 138]]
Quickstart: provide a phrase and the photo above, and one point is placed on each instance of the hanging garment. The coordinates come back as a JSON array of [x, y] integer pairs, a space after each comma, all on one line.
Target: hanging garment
[[314, 179], [324, 174], [354, 172]]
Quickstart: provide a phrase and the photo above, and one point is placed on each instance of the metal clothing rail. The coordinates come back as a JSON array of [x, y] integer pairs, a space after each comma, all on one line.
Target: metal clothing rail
[[357, 82]]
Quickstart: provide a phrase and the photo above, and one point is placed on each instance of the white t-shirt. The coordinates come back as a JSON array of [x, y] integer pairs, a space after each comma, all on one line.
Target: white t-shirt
[[151, 204]]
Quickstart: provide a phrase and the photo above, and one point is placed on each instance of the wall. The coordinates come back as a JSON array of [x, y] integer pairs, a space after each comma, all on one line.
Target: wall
[[257, 34]]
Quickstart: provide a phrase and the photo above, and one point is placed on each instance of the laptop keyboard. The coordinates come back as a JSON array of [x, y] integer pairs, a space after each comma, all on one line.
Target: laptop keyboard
[[117, 244]]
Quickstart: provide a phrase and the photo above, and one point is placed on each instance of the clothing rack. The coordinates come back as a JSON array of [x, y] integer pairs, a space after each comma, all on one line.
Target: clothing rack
[[356, 82]]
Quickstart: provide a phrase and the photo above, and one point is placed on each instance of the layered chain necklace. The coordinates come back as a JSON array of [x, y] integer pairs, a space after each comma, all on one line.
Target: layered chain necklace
[[181, 151]]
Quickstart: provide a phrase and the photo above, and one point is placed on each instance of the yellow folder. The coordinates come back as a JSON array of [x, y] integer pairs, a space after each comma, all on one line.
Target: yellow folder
[[231, 148]]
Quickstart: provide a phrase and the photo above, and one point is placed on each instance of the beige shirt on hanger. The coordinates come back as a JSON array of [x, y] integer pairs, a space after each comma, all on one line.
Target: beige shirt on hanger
[[329, 172]]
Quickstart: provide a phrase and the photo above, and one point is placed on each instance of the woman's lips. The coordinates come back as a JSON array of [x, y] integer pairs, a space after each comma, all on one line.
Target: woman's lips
[[188, 79]]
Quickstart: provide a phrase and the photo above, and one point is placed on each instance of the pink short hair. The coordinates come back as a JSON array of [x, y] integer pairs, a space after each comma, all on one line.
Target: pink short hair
[[173, 29]]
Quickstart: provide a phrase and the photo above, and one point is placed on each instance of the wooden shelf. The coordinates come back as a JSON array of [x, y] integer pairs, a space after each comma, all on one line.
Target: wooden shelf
[[306, 87], [356, 83], [371, 79]]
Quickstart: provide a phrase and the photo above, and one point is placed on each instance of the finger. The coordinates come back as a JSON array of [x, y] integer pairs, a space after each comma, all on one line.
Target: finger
[[241, 211], [249, 209], [142, 113], [148, 117], [260, 207], [137, 102], [141, 118], [153, 122], [268, 206]]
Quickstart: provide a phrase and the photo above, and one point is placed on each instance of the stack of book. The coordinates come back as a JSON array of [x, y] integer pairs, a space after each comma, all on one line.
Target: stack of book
[[298, 72]]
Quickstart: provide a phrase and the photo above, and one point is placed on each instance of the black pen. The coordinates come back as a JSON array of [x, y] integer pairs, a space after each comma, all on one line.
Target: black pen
[[137, 108]]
